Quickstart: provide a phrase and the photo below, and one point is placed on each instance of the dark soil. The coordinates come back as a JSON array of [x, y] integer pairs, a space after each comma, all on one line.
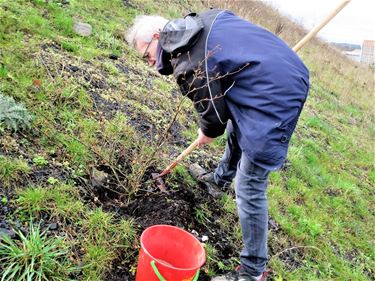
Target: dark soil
[[176, 207]]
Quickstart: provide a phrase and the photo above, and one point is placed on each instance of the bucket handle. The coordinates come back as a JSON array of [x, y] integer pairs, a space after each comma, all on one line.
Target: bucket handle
[[161, 278]]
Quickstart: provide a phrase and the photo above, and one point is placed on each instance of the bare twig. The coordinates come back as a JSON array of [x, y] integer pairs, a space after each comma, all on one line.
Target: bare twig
[[294, 248], [46, 67]]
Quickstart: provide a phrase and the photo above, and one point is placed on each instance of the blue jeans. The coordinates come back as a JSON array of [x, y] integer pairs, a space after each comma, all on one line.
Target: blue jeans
[[250, 186]]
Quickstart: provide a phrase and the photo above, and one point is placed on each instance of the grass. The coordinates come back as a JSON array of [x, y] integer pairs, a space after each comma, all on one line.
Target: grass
[[11, 169], [102, 237], [91, 114], [59, 201], [35, 257]]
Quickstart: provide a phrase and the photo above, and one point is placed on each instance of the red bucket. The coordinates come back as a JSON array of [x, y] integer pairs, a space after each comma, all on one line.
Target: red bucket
[[169, 253]]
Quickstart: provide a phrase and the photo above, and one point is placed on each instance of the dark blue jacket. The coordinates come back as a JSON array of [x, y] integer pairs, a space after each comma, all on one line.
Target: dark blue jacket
[[233, 69]]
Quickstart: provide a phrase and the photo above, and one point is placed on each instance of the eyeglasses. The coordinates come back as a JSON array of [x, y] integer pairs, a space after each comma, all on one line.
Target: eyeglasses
[[146, 54]]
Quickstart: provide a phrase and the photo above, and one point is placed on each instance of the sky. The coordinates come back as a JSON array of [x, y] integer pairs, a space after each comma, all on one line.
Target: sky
[[355, 23]]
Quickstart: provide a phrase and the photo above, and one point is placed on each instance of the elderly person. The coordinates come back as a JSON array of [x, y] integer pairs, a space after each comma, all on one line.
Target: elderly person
[[242, 78]]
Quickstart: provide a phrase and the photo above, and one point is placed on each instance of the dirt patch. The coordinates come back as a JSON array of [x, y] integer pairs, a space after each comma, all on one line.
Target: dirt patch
[[176, 207]]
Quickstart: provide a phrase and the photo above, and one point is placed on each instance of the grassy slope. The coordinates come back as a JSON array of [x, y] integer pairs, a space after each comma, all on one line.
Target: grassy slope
[[322, 198]]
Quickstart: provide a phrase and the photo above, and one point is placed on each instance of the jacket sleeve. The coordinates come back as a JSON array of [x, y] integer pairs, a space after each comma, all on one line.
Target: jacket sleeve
[[208, 101]]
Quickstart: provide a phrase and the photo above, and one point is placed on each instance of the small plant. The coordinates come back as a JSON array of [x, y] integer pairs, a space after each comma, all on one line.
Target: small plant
[[11, 170], [97, 259], [180, 173], [32, 200], [40, 161], [35, 257], [52, 180], [213, 261], [202, 215], [14, 115]]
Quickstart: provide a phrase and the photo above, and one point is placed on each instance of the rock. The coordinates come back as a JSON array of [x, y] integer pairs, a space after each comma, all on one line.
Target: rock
[[3, 224], [98, 177], [53, 226], [194, 232], [73, 68], [204, 238], [8, 232], [83, 29], [4, 210], [113, 57]]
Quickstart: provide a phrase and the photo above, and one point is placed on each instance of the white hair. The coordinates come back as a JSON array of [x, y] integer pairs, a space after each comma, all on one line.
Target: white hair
[[143, 28]]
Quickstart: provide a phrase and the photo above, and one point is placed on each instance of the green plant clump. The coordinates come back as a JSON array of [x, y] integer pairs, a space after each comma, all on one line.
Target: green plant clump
[[34, 257], [14, 115], [40, 161], [11, 170]]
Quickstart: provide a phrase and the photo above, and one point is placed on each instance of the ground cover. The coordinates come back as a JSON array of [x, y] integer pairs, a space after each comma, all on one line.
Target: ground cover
[[80, 172]]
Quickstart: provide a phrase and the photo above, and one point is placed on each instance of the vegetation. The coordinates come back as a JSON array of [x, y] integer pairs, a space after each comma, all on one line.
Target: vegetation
[[102, 125], [35, 257], [11, 170], [12, 115]]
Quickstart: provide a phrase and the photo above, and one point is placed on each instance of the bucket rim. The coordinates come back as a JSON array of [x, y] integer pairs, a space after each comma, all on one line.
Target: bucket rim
[[167, 264]]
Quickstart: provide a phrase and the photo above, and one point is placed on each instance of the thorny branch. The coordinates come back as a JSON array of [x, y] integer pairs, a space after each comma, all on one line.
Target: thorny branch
[[198, 74]]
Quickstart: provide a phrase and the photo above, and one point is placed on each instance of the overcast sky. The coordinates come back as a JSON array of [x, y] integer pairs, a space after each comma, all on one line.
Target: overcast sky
[[355, 23]]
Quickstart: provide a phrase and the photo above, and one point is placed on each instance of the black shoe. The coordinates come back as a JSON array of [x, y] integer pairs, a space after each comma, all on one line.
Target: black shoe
[[201, 175], [239, 275]]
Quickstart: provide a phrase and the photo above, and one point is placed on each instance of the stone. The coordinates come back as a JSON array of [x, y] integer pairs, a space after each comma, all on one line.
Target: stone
[[53, 226], [83, 29], [73, 68], [5, 210], [113, 57], [8, 232], [98, 177]]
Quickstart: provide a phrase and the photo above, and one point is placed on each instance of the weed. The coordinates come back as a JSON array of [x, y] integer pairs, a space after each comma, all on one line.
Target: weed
[[52, 180], [180, 173], [11, 170], [97, 259], [35, 257], [40, 161], [213, 261], [202, 215], [126, 233], [3, 71], [32, 200]]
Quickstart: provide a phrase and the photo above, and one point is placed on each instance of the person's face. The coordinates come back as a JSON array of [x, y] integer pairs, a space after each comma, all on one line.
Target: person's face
[[148, 49]]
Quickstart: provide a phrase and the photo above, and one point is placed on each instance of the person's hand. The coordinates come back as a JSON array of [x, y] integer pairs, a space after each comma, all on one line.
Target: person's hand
[[202, 139]]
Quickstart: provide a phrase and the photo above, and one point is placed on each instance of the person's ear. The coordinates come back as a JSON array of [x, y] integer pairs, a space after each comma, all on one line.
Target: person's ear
[[156, 36]]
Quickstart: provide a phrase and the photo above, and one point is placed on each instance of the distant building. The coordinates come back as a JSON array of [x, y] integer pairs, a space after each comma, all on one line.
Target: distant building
[[368, 52], [354, 54]]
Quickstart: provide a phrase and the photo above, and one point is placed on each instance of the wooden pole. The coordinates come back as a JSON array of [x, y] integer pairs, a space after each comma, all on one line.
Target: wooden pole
[[179, 158], [316, 29]]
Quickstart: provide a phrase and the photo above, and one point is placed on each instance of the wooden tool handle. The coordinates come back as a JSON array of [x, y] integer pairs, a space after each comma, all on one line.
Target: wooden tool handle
[[316, 29], [187, 151], [179, 158]]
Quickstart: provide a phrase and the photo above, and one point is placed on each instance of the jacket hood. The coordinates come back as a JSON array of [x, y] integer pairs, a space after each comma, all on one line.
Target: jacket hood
[[177, 36]]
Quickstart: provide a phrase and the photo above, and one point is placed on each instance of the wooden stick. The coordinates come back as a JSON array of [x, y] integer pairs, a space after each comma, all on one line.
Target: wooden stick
[[179, 158], [316, 29]]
